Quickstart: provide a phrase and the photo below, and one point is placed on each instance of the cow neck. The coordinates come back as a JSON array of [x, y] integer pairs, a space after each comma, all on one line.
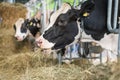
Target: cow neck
[[83, 35]]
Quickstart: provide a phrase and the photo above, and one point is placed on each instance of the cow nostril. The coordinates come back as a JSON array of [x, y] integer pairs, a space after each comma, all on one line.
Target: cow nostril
[[16, 37], [39, 42]]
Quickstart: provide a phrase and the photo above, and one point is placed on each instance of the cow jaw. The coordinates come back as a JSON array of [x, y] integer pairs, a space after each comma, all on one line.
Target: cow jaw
[[43, 43], [21, 36]]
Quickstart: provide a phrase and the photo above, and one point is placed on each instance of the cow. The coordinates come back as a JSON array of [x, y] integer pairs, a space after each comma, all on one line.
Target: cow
[[27, 29], [64, 27], [96, 24]]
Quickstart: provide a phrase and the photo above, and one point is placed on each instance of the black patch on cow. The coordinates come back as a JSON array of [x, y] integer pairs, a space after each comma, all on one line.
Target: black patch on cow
[[23, 29], [32, 25], [88, 6], [34, 28], [96, 23]]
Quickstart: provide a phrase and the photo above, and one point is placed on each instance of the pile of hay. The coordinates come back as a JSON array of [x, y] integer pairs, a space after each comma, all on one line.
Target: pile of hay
[[10, 13], [34, 66]]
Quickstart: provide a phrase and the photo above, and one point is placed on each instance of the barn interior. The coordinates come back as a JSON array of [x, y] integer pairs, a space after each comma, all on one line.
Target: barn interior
[[17, 62]]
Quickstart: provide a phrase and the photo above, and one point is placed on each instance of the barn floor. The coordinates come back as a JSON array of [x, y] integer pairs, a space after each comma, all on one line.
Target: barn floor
[[17, 62]]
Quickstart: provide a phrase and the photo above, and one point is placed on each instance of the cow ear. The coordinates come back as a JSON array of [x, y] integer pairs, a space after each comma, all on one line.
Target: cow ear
[[86, 8], [14, 27]]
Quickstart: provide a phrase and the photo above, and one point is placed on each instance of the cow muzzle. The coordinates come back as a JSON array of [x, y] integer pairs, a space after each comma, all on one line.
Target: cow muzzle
[[38, 43], [43, 43], [18, 38]]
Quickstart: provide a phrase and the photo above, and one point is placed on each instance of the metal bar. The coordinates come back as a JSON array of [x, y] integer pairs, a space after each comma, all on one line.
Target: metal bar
[[101, 58], [109, 26], [115, 14], [10, 1], [59, 3], [119, 40], [81, 58], [74, 3], [55, 6], [59, 57], [44, 15]]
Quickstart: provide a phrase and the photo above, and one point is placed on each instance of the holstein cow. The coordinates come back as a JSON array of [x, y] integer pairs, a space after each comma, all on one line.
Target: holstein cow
[[96, 27], [96, 24], [27, 28], [64, 28]]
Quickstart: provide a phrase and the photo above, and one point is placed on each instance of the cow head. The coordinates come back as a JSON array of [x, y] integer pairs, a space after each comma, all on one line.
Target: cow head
[[24, 27], [64, 27]]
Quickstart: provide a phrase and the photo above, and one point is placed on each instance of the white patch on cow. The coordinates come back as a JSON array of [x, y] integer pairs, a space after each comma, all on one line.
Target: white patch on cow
[[20, 36], [43, 43], [109, 44], [63, 9]]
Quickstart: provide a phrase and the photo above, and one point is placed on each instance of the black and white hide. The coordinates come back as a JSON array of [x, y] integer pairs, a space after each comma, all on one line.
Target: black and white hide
[[64, 27], [96, 24], [27, 29]]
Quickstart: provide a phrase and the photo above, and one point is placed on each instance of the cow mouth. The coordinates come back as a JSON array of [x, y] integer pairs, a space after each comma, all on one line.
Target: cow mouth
[[38, 43], [19, 39]]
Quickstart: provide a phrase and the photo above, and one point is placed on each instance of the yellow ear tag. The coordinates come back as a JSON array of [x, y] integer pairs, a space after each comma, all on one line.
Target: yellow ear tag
[[31, 23], [86, 14]]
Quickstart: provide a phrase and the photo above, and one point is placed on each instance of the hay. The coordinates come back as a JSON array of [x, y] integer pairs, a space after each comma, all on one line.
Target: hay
[[10, 13], [35, 66]]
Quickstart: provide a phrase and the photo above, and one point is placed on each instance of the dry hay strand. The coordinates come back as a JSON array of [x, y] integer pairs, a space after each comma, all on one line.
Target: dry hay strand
[[37, 66], [8, 44], [10, 13], [115, 71], [19, 62], [72, 72], [15, 62]]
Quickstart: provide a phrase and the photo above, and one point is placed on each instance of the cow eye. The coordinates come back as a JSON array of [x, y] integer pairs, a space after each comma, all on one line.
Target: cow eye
[[23, 28], [62, 21]]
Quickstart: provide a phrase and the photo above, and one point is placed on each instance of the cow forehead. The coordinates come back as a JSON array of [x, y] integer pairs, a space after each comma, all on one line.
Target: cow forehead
[[63, 9], [19, 22]]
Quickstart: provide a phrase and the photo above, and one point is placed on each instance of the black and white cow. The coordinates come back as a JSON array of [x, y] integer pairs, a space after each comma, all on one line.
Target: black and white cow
[[96, 24], [64, 28], [27, 29], [24, 28]]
